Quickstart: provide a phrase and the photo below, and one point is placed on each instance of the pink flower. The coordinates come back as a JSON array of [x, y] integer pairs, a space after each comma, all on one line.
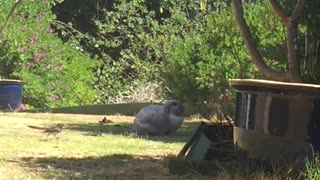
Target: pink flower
[[31, 41], [34, 38], [22, 107], [24, 49], [37, 57]]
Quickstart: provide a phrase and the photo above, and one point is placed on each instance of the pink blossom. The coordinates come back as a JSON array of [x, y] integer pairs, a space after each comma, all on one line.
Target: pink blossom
[[43, 55], [37, 57], [22, 107], [24, 49], [34, 38], [31, 41]]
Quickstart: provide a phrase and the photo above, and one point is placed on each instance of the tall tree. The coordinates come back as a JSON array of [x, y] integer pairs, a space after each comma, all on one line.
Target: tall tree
[[291, 23]]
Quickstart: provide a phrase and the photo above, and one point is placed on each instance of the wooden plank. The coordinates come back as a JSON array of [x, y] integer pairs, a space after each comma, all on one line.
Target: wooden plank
[[313, 88], [102, 109], [191, 140], [199, 147], [129, 109]]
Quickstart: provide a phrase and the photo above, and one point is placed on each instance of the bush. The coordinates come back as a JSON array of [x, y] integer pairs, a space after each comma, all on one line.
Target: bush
[[55, 73], [199, 65], [131, 41]]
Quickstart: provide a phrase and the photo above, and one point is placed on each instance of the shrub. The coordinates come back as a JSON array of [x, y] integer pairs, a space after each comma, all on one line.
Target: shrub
[[55, 73], [131, 40], [200, 64]]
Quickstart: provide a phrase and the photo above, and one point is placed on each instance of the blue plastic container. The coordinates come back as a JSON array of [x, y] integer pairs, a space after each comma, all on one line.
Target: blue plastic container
[[10, 94]]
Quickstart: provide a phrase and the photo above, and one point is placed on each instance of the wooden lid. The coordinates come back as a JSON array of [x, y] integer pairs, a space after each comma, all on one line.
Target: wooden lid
[[259, 83], [11, 81]]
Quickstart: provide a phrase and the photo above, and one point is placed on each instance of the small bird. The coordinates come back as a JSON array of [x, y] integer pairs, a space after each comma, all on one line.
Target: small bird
[[105, 121], [53, 130]]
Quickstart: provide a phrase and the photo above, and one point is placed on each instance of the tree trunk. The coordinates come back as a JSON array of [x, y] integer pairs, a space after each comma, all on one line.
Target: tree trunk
[[291, 23]]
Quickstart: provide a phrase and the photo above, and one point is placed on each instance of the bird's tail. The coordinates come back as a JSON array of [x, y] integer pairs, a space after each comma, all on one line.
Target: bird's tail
[[36, 127]]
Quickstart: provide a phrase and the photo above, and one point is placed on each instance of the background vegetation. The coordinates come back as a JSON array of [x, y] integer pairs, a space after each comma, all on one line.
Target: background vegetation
[[94, 51], [56, 73]]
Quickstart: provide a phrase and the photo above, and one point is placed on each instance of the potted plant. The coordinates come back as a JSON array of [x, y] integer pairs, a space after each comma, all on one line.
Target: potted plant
[[10, 89], [277, 118]]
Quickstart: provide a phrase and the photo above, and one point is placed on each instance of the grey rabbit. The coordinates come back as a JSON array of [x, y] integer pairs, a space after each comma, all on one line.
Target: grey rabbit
[[159, 119]]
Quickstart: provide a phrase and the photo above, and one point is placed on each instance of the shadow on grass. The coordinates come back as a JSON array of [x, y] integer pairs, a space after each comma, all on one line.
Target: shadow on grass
[[125, 166], [119, 166], [95, 129]]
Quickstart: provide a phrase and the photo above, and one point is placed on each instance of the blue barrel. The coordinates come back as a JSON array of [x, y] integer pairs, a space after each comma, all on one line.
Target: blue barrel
[[10, 94]]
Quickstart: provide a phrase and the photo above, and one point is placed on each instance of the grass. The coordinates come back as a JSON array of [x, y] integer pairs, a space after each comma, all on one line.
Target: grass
[[77, 153], [88, 150]]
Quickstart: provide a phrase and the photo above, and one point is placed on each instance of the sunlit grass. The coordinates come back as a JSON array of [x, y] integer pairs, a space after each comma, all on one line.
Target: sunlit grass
[[313, 167], [27, 153], [88, 150]]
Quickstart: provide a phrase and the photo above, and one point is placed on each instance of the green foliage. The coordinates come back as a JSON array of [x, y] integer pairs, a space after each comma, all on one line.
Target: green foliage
[[55, 73], [310, 41], [312, 169], [200, 64], [131, 41], [124, 42]]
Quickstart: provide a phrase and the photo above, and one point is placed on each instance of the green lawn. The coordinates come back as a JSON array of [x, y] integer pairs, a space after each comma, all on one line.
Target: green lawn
[[27, 153], [88, 150]]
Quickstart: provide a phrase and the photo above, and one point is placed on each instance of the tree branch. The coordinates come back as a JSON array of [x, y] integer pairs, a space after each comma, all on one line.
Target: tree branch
[[277, 8], [10, 14], [297, 12], [292, 33], [252, 47], [293, 60]]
